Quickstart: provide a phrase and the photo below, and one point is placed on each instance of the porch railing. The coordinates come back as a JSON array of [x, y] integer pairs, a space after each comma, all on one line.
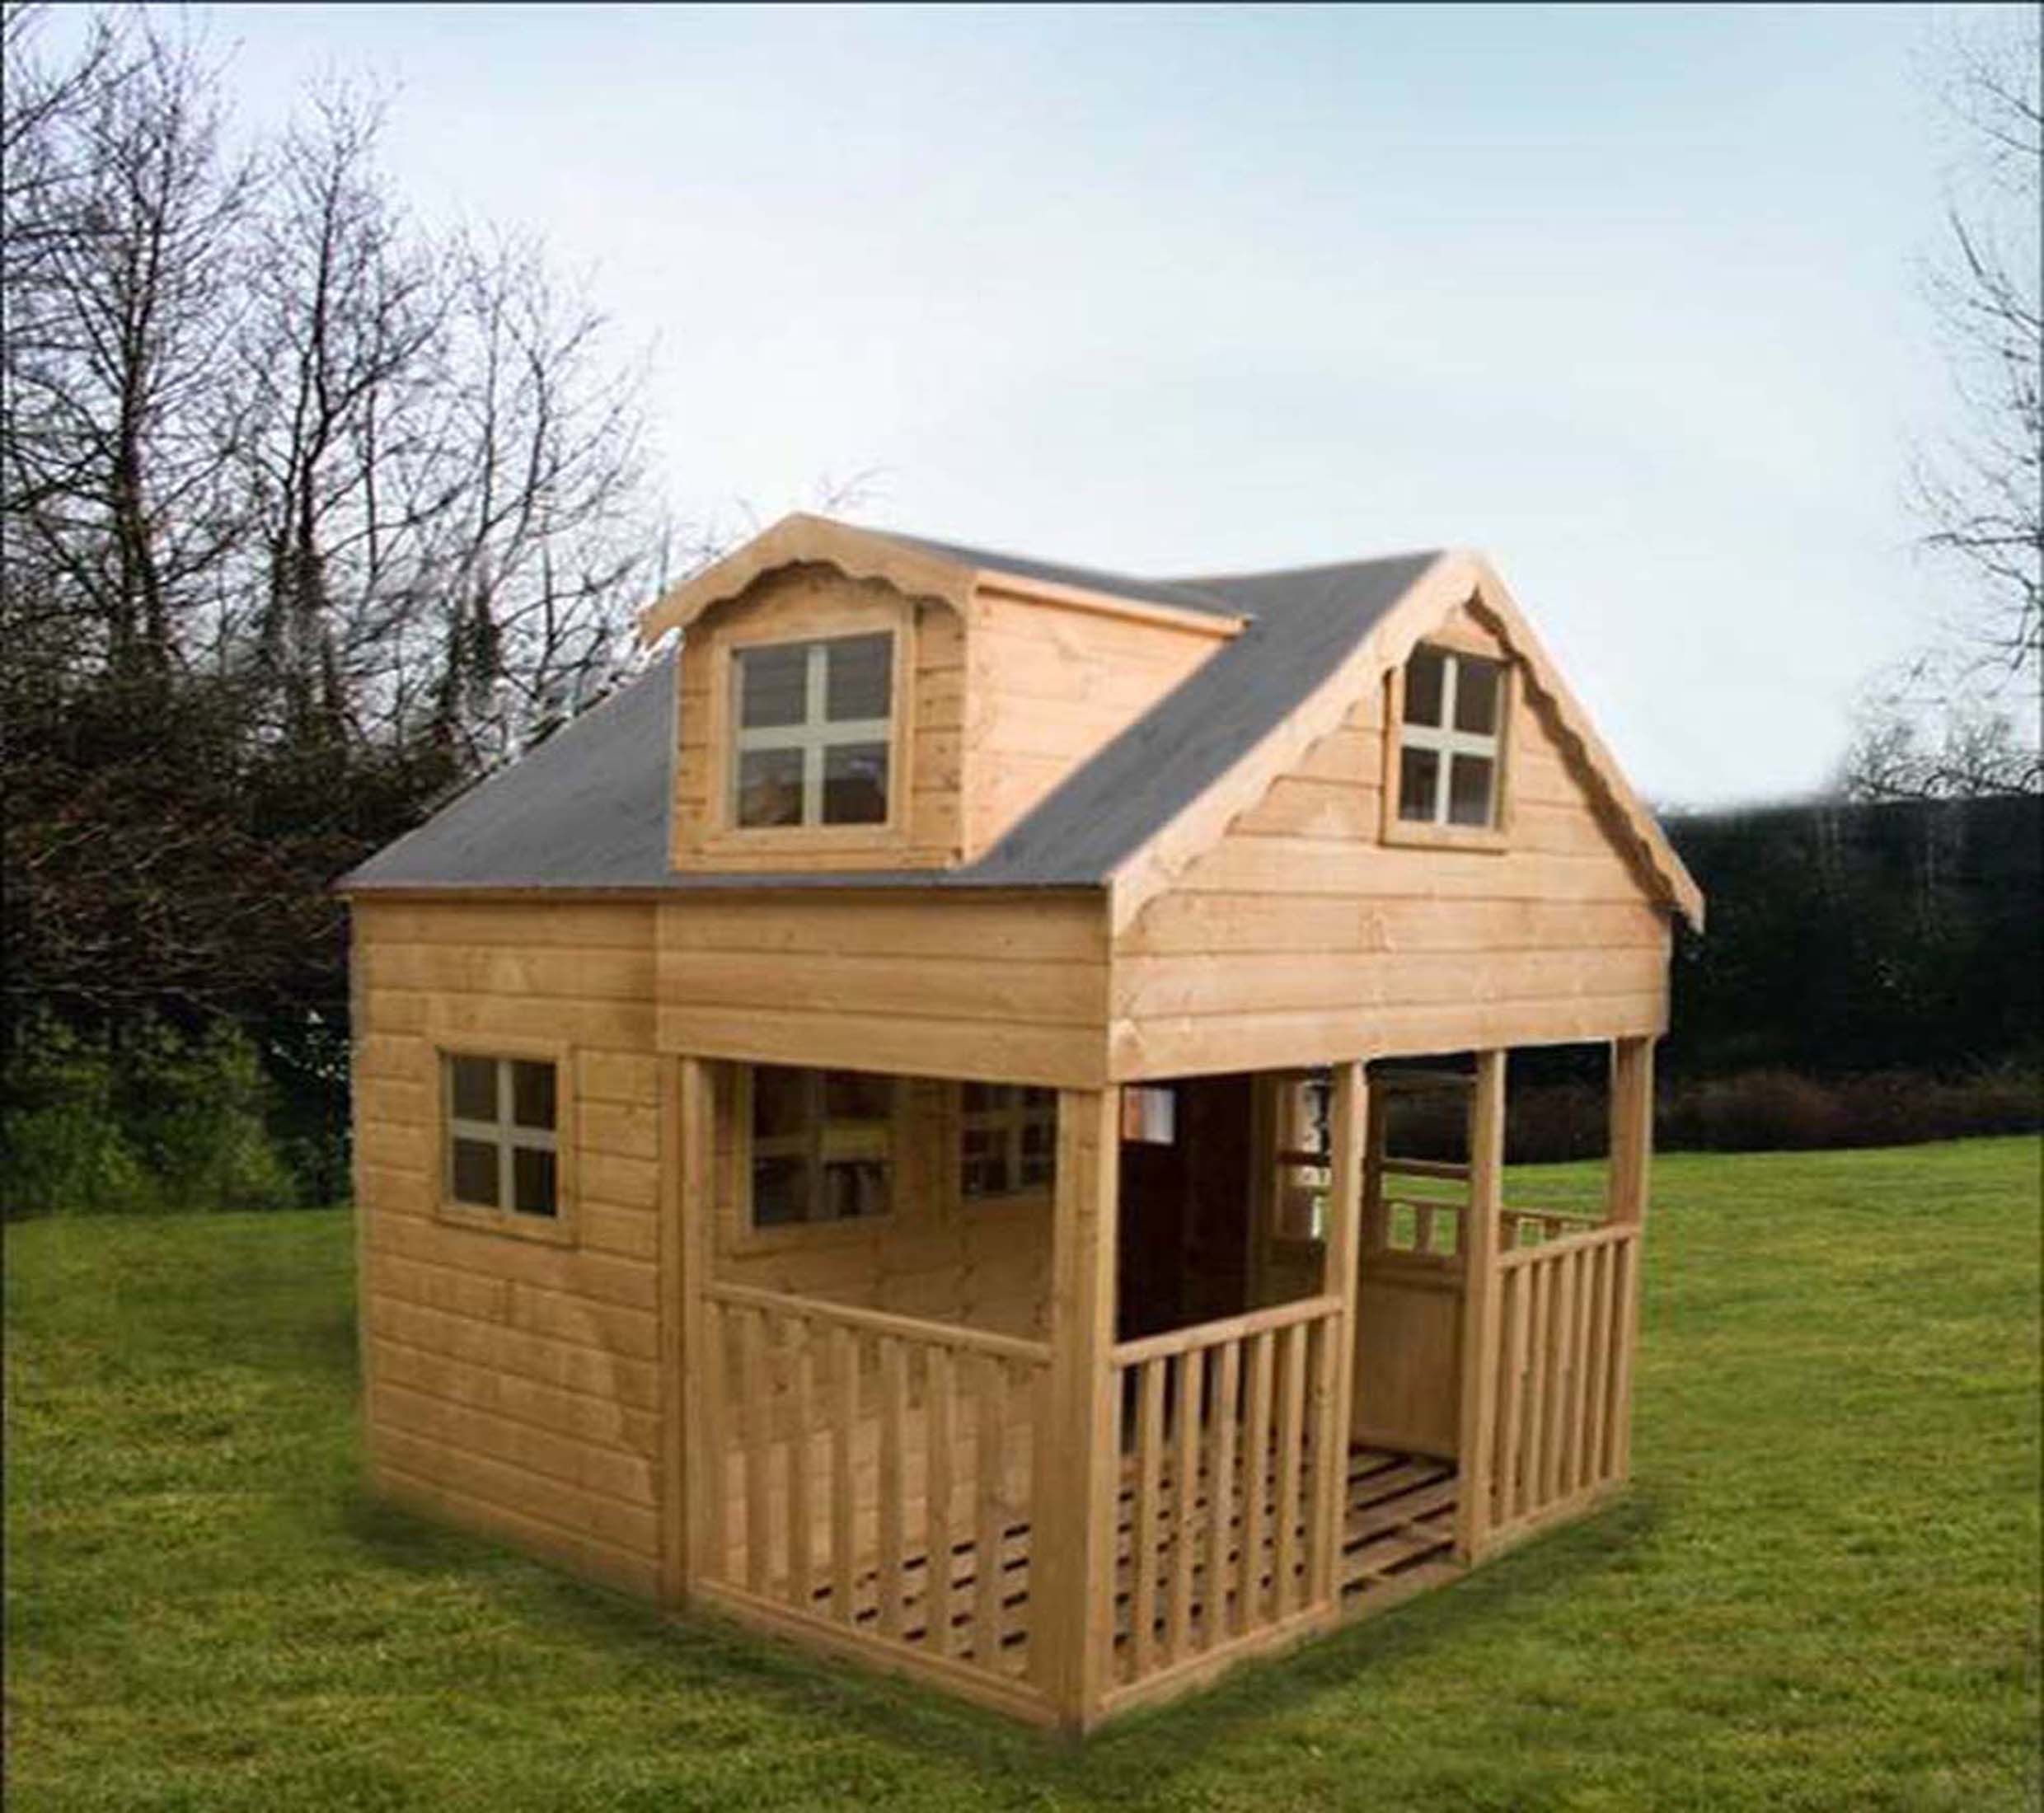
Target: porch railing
[[1564, 1372], [1225, 1430], [873, 1471]]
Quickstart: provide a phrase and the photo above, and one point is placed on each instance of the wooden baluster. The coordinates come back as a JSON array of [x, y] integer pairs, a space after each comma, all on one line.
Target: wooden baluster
[[1256, 1482], [893, 1548], [1568, 1362], [1556, 1382], [757, 1394], [1423, 1227], [1595, 1426], [1514, 1498], [939, 1392], [1177, 1633], [844, 1485], [801, 1413], [1542, 1273], [1220, 1489], [990, 1580], [1147, 1530], [1624, 1262], [1507, 1432], [716, 1455], [1291, 1456]]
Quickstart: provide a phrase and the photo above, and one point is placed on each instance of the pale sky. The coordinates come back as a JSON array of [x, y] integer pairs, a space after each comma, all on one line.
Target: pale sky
[[1625, 298]]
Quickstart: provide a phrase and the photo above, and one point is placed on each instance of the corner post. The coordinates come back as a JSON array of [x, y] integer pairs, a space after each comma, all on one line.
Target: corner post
[[1072, 1552], [1632, 1158], [1481, 1303], [1346, 1127], [690, 1237]]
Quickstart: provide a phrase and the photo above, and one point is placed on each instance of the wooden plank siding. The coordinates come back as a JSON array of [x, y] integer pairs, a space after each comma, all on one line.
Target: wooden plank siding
[[514, 1386], [1300, 937], [1049, 685], [996, 987]]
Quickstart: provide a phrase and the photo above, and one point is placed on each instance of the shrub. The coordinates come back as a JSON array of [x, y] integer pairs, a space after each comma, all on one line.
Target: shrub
[[153, 1121]]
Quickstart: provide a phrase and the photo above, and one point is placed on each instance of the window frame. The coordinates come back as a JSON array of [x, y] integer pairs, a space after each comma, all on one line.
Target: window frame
[[845, 620], [1011, 1119], [558, 1230], [1495, 836], [746, 1236]]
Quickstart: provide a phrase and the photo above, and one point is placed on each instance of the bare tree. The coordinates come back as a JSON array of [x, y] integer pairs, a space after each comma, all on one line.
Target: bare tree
[[118, 310], [1981, 493], [1960, 716]]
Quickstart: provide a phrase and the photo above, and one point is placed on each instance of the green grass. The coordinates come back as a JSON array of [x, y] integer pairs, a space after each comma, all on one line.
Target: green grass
[[1822, 1592]]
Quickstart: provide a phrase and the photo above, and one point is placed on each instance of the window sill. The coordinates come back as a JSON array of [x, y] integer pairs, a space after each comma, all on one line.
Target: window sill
[[556, 1231], [1009, 1202], [1412, 835]]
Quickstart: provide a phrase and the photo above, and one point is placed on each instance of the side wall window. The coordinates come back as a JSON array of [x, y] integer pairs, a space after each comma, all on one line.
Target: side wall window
[[1450, 742], [820, 1145], [501, 1116]]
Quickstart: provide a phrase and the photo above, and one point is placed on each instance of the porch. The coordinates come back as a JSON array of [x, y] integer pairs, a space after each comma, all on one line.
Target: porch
[[1064, 1528]]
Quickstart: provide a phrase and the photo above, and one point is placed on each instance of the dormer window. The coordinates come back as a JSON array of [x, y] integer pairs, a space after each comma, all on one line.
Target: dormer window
[[1450, 738], [812, 730]]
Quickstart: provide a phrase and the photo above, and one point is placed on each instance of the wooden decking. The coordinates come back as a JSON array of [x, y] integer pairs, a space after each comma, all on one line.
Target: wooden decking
[[1397, 1540]]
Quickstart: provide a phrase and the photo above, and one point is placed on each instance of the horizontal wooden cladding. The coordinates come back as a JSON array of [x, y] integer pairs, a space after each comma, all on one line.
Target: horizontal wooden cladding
[[933, 987], [598, 1277], [428, 1452], [561, 1544], [1007, 989], [596, 1374], [594, 1421], [608, 1328], [511, 924], [597, 973], [1227, 924], [1072, 1057], [1336, 865], [552, 1019], [988, 928], [1213, 1044], [1151, 987]]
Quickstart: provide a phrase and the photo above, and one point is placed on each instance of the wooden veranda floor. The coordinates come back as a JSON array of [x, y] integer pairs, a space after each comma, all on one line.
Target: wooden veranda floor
[[1397, 1540]]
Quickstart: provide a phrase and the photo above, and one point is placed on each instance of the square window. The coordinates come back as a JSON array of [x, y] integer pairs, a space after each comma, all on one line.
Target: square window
[[1450, 742], [822, 1145], [499, 1130], [810, 737]]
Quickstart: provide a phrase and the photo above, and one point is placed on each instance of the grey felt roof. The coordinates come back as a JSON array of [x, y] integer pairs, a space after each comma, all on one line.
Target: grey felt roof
[[588, 808]]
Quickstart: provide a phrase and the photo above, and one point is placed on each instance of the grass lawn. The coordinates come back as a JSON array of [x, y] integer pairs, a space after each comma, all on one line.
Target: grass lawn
[[1823, 1591]]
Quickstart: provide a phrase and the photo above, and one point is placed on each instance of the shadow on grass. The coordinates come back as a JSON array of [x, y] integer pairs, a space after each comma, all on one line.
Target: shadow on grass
[[1146, 1751]]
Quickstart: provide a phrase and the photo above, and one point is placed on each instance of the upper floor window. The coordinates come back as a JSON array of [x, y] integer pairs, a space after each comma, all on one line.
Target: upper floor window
[[822, 1145], [501, 1118], [1007, 1139], [813, 729], [1450, 740]]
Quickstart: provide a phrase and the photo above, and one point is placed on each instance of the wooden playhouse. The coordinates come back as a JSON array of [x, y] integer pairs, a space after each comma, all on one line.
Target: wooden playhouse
[[880, 1128]]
